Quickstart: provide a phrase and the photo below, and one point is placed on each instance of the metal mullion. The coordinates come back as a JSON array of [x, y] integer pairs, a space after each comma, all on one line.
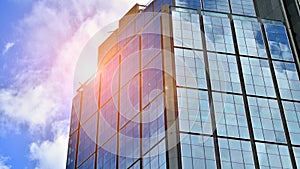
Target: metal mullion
[[245, 99], [118, 121], [279, 101]]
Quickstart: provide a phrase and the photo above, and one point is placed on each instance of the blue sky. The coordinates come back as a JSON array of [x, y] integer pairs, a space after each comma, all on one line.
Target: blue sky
[[40, 43]]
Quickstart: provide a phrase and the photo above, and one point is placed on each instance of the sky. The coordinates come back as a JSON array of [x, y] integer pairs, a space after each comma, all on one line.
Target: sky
[[40, 43]]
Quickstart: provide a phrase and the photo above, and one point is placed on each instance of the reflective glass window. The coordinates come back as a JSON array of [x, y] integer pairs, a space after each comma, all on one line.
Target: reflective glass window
[[235, 154], [153, 123], [87, 139], [288, 80], [129, 143], [292, 115], [159, 3], [218, 34], [278, 42], [90, 163], [197, 151], [258, 77], [89, 100], [126, 32], [110, 79], [151, 40], [194, 112], [152, 80], [130, 65], [266, 120], [243, 7], [186, 30], [189, 3], [250, 38], [72, 151], [297, 155], [273, 156], [224, 73], [216, 5], [156, 157], [230, 115], [130, 100], [108, 121], [107, 155], [190, 68]]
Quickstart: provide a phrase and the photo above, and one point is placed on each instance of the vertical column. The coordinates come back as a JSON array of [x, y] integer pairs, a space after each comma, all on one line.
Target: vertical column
[[278, 96], [170, 93]]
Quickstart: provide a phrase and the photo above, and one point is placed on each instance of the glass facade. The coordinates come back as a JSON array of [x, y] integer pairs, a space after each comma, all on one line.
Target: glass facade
[[210, 73]]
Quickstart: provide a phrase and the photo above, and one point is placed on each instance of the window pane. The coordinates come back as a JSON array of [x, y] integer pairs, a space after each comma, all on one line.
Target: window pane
[[224, 73], [266, 120], [218, 34], [258, 78], [230, 115]]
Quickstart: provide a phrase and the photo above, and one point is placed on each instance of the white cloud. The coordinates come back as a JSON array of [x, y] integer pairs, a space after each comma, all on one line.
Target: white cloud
[[7, 47], [51, 154], [3, 164]]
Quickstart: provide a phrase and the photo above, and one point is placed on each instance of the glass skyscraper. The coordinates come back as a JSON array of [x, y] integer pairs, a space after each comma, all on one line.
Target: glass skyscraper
[[192, 84]]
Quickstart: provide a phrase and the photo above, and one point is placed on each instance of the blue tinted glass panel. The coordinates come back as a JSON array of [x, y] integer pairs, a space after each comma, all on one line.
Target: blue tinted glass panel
[[230, 115], [153, 123], [130, 100], [108, 120], [273, 156], [288, 80], [190, 68], [186, 30], [224, 73], [87, 139], [258, 77], [266, 120], [218, 34], [152, 80], [235, 154], [159, 3], [243, 7], [249, 38], [156, 157], [129, 143], [126, 33], [106, 158], [110, 79], [189, 3], [72, 151], [130, 65], [89, 100], [278, 42], [89, 164], [216, 5], [194, 112], [297, 155], [151, 40], [197, 151], [292, 115]]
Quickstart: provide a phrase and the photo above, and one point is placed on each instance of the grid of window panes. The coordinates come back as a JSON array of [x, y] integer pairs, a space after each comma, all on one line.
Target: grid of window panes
[[206, 97], [190, 68], [266, 120], [250, 38], [187, 31], [218, 34], [258, 77], [230, 115], [196, 151], [230, 40], [235, 154], [224, 73]]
